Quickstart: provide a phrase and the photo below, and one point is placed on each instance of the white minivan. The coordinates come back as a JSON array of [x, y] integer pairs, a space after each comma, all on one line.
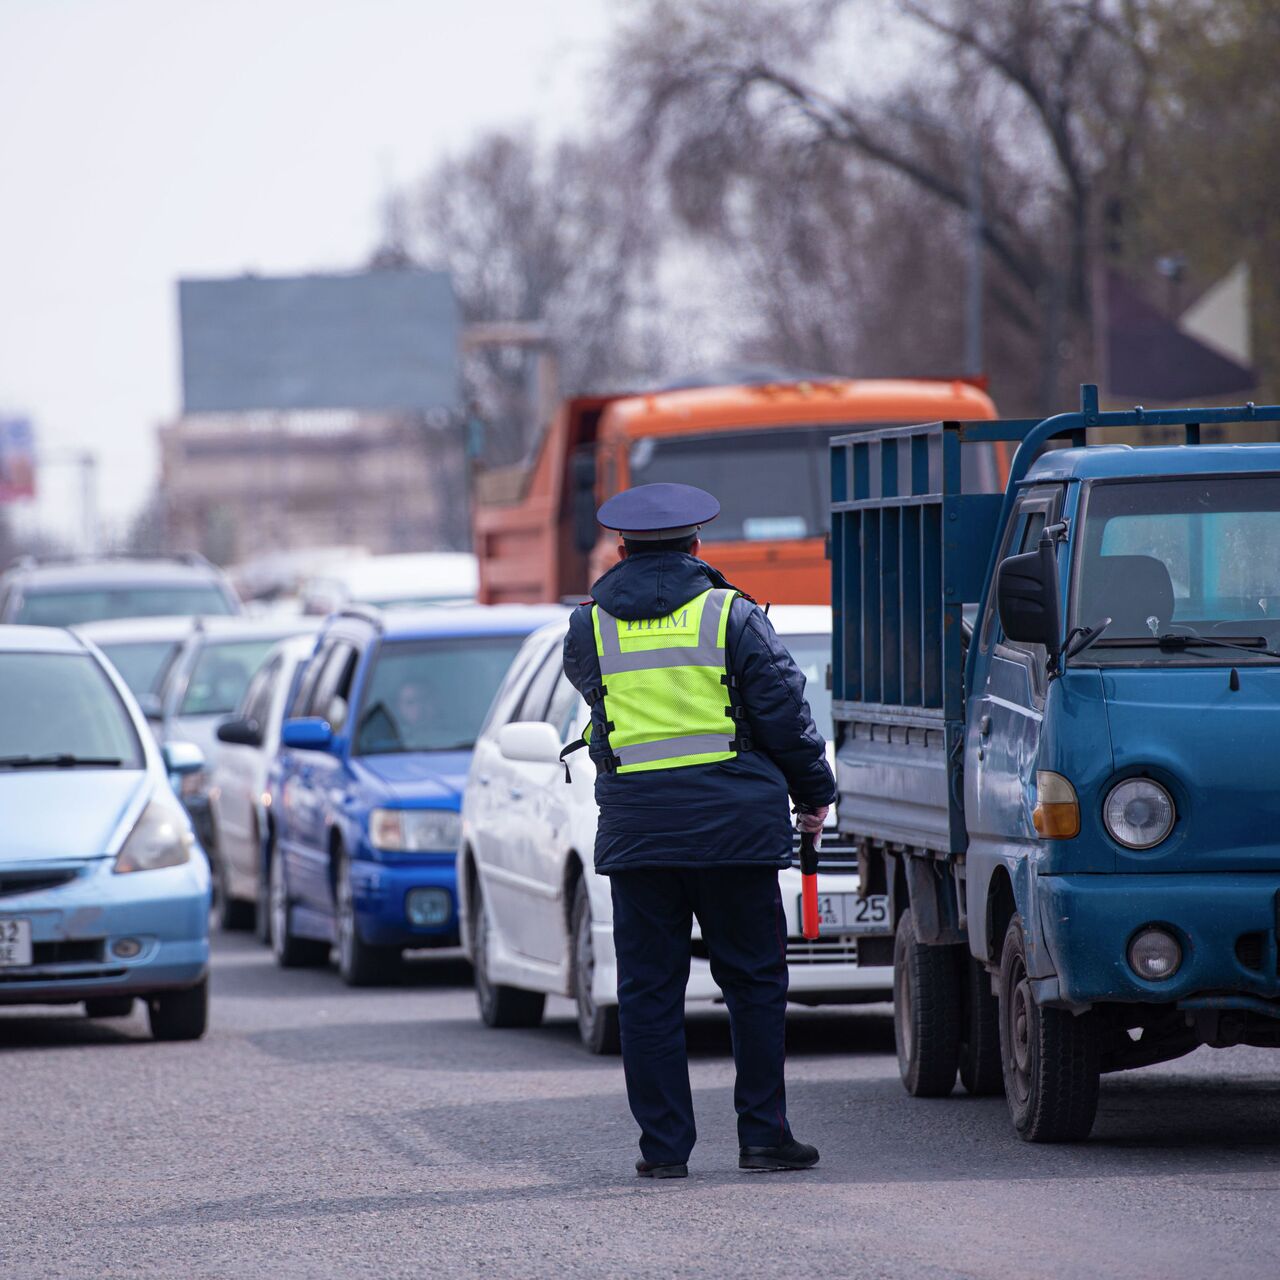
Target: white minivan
[[536, 918]]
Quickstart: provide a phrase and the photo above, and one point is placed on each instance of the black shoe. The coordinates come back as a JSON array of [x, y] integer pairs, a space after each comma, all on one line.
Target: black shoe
[[645, 1169], [790, 1155]]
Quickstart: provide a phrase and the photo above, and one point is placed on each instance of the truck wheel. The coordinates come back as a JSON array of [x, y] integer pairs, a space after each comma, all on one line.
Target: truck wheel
[[180, 1015], [359, 963], [499, 1006], [981, 1068], [1050, 1056], [597, 1024], [291, 952], [926, 1013]]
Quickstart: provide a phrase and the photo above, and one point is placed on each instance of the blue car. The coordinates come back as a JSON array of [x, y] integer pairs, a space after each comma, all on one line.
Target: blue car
[[365, 792], [104, 892]]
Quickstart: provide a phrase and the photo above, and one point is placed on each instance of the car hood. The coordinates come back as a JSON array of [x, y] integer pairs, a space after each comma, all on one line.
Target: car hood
[[57, 814], [422, 777], [1215, 747]]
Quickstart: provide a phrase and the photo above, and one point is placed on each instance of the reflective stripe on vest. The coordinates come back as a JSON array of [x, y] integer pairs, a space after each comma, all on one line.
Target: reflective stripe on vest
[[666, 700]]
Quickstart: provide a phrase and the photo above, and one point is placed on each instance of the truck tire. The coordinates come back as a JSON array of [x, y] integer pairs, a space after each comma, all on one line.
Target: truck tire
[[1050, 1056], [597, 1023], [981, 1066], [499, 1006], [926, 1013]]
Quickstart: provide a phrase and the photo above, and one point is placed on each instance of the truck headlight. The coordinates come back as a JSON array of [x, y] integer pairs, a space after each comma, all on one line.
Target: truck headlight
[[1139, 813], [161, 838], [415, 830]]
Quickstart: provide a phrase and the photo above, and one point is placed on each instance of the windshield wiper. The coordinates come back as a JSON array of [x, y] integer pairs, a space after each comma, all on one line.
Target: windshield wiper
[[60, 760], [1255, 645]]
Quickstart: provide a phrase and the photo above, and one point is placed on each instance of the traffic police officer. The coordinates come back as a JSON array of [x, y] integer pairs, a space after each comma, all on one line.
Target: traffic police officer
[[700, 732]]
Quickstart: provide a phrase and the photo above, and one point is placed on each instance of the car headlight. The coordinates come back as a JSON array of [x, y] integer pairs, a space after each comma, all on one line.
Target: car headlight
[[161, 838], [415, 830], [1139, 813]]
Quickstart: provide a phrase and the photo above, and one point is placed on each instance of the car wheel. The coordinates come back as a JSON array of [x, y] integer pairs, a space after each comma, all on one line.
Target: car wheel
[[291, 952], [981, 1070], [499, 1006], [180, 1015], [262, 913], [234, 914], [597, 1024], [1050, 1056], [109, 1007], [926, 1013], [359, 963]]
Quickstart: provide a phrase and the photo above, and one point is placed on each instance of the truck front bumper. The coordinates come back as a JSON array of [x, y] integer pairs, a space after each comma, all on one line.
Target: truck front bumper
[[1225, 923]]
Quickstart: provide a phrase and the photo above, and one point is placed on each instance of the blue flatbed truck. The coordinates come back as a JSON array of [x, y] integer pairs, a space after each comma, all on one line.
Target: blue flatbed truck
[[1058, 746]]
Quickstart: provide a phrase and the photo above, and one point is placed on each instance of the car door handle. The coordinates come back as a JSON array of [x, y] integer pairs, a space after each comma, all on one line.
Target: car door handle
[[482, 779], [515, 793], [984, 727]]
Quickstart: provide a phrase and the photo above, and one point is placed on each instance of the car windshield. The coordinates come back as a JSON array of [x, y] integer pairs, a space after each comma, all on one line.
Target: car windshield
[[772, 483], [1181, 558], [141, 664], [812, 655], [60, 709], [222, 674], [431, 695], [93, 604]]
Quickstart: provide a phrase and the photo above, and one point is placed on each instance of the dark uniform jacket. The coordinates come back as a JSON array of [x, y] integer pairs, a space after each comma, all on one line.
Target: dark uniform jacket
[[731, 814]]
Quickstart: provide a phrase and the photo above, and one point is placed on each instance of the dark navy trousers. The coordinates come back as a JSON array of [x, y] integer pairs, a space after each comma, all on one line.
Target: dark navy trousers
[[744, 928]]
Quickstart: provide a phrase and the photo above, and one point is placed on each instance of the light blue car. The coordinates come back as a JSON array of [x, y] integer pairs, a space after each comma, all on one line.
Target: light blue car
[[104, 893]]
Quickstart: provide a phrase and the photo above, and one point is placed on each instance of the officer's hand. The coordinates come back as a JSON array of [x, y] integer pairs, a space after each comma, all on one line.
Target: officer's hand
[[813, 822]]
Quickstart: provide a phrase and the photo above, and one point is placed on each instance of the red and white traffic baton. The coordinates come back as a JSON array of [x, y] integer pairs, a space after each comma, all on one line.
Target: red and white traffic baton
[[808, 885]]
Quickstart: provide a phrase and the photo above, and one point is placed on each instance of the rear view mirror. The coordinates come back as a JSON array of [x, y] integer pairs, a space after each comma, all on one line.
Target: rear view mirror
[[1027, 597], [241, 732], [307, 733], [533, 741]]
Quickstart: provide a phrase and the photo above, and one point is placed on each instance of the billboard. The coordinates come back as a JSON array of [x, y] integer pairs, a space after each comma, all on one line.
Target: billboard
[[373, 340], [17, 459]]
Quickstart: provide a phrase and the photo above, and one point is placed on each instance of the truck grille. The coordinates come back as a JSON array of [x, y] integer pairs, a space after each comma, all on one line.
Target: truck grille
[[836, 853], [834, 950], [33, 879]]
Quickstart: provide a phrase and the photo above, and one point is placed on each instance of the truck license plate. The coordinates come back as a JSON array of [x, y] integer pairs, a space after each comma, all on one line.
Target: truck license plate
[[848, 913], [15, 943]]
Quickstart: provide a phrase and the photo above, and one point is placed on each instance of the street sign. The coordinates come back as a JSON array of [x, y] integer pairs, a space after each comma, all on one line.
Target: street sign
[[17, 459]]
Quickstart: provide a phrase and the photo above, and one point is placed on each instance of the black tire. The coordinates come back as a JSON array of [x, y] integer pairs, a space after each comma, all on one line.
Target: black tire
[[360, 964], [234, 914], [290, 951], [1050, 1056], [109, 1007], [499, 1006], [262, 912], [180, 1015], [981, 1066], [597, 1024], [926, 1013]]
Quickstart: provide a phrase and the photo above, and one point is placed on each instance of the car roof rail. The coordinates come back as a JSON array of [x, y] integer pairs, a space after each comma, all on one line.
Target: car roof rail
[[365, 612]]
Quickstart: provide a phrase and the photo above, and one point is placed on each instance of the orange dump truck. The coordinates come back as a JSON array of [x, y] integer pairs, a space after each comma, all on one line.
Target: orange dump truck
[[762, 450]]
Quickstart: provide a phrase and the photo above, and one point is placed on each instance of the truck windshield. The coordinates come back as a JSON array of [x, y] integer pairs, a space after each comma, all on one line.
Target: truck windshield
[[773, 483], [431, 695], [93, 604], [1181, 558]]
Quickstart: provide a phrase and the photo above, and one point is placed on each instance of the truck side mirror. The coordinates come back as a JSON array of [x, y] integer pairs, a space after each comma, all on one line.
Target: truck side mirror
[[582, 477], [1027, 597]]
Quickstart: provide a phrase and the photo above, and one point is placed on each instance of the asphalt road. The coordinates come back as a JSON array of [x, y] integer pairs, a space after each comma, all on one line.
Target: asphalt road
[[319, 1131]]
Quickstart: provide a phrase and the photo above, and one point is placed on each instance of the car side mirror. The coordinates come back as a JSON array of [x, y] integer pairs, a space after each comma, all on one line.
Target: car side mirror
[[586, 532], [240, 731], [182, 758], [534, 741], [307, 733], [150, 706], [1027, 597]]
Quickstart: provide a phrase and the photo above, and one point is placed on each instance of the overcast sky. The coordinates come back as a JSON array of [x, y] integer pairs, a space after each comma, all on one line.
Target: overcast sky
[[145, 140]]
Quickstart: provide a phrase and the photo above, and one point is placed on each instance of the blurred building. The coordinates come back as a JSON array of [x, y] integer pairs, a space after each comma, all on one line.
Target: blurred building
[[317, 410], [239, 485]]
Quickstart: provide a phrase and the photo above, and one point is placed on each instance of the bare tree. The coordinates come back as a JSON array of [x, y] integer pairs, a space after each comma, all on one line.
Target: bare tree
[[1054, 92], [557, 238]]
